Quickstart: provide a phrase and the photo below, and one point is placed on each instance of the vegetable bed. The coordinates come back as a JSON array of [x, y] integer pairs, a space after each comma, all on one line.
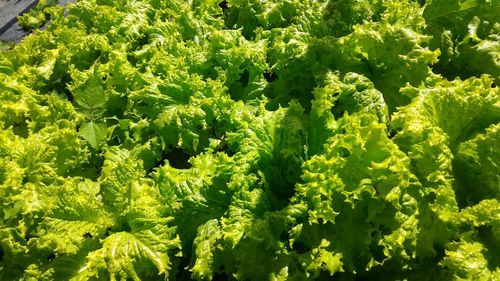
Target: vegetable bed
[[252, 140]]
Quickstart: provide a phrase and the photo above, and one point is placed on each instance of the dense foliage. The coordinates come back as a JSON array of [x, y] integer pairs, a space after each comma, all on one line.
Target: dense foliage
[[252, 140]]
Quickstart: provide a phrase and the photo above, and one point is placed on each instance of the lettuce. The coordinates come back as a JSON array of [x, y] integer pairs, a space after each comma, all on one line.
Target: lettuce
[[467, 34], [251, 140]]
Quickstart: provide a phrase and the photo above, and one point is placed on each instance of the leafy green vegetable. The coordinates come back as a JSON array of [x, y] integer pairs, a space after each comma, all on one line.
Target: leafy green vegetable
[[252, 140], [468, 35]]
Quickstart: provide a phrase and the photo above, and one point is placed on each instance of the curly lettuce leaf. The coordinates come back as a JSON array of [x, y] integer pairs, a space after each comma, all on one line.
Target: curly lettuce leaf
[[132, 255], [468, 35], [425, 129], [353, 175]]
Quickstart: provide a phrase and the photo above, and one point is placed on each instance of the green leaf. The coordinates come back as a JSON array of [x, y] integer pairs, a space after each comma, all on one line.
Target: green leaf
[[130, 255], [252, 140], [467, 34], [360, 186], [437, 9], [90, 98], [276, 141], [465, 260], [93, 132], [207, 237], [476, 166]]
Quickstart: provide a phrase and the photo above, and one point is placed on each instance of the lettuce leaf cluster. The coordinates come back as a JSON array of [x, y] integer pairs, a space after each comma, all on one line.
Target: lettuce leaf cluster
[[252, 140]]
